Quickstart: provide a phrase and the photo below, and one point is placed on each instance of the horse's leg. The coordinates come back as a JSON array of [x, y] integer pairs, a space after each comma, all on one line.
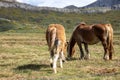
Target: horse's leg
[[55, 62], [62, 59], [110, 50], [104, 43], [51, 58], [87, 51], [81, 50]]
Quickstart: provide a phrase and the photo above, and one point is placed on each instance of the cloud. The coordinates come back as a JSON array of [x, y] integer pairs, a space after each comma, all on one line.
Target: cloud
[[63, 3], [50, 3], [20, 0], [23, 1], [58, 3]]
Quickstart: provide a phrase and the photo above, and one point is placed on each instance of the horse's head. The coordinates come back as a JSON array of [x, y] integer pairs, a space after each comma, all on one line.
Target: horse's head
[[64, 51], [70, 51], [66, 45]]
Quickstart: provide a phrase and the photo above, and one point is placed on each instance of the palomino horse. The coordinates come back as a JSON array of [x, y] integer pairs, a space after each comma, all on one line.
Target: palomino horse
[[91, 35], [56, 40]]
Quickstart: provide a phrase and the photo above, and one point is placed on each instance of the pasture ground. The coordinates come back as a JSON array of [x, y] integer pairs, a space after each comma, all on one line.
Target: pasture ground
[[25, 56]]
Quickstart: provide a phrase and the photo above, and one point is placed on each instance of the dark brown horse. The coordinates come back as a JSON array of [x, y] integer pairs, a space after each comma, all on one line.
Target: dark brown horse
[[85, 34]]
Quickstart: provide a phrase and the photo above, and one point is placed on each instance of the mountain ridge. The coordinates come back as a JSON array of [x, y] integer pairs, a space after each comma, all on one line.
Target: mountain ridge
[[71, 7], [114, 4], [67, 9]]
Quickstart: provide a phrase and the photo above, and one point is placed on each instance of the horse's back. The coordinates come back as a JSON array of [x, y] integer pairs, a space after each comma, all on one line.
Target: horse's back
[[85, 34], [109, 28], [103, 29], [60, 31], [54, 33]]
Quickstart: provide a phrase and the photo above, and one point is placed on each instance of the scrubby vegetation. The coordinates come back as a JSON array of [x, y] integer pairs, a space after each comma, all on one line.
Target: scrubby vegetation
[[69, 20]]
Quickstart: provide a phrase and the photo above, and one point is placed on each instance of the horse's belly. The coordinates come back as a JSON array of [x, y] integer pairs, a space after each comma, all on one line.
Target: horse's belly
[[91, 40]]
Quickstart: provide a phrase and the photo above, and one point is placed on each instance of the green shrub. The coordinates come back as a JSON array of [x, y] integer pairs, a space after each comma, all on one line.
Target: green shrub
[[6, 25]]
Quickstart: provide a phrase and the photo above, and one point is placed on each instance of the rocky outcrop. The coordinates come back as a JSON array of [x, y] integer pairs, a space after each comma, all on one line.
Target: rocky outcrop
[[32, 8], [86, 9]]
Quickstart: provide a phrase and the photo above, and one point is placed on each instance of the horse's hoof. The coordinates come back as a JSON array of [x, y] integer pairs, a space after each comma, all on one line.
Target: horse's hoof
[[63, 61], [51, 65], [68, 58], [86, 58], [106, 57], [110, 57], [81, 58]]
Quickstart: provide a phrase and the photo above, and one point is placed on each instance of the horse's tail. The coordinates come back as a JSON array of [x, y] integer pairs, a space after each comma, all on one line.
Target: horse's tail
[[110, 38], [57, 43], [51, 38], [71, 45], [110, 35]]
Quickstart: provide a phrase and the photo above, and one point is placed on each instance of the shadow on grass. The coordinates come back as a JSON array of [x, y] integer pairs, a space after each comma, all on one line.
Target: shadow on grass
[[72, 59], [32, 67]]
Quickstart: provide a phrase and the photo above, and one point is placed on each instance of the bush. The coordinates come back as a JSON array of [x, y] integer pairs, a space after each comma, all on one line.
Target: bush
[[6, 25]]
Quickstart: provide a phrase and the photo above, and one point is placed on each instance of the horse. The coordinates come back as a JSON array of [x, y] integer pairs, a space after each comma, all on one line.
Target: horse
[[56, 41], [89, 35]]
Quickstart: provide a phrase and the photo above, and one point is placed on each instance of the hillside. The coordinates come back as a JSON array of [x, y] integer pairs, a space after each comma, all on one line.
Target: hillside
[[105, 4], [71, 7], [25, 18], [7, 4], [114, 4], [20, 16]]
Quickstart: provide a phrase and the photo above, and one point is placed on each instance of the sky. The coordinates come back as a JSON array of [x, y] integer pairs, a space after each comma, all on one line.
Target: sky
[[57, 3]]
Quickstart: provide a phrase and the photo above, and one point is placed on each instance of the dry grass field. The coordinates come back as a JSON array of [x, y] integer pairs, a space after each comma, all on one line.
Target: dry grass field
[[25, 56]]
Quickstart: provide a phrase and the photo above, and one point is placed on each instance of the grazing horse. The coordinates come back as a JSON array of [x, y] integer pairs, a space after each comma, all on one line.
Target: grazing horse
[[91, 35], [56, 40]]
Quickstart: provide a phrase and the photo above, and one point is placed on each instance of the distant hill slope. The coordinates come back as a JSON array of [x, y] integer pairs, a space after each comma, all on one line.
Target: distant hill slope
[[7, 4], [25, 17], [114, 4], [21, 18], [9, 0], [72, 8]]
